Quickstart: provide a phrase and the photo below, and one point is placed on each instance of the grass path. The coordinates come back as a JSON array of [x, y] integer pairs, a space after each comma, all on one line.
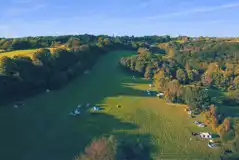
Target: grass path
[[43, 130]]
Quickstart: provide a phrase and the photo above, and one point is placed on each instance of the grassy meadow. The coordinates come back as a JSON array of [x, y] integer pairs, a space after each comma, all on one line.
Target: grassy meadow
[[18, 53], [43, 129]]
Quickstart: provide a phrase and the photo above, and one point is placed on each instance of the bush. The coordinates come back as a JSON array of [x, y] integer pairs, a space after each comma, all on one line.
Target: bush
[[196, 97], [228, 136], [235, 146], [101, 149]]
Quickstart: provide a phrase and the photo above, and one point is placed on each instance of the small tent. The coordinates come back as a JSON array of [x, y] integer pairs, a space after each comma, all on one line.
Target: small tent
[[160, 94], [151, 85], [205, 135], [96, 108], [77, 112]]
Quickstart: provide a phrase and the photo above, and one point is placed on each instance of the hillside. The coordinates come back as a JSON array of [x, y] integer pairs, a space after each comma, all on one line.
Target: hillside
[[48, 126]]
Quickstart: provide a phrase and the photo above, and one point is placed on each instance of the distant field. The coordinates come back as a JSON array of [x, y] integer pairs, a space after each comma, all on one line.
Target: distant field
[[18, 53], [43, 129]]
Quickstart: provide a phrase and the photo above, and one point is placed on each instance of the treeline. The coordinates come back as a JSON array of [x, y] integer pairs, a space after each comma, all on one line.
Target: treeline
[[57, 60], [170, 78], [9, 44], [110, 148], [21, 76], [211, 68]]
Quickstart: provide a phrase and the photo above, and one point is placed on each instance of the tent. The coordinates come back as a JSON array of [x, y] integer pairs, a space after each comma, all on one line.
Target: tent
[[15, 106], [160, 94], [96, 108], [77, 112], [205, 135], [201, 125], [151, 85]]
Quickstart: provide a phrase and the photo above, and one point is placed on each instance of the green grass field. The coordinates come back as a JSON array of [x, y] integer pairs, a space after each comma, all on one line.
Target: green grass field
[[43, 130], [18, 53]]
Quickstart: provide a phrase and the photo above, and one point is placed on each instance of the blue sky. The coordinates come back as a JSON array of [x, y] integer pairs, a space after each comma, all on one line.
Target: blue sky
[[20, 18]]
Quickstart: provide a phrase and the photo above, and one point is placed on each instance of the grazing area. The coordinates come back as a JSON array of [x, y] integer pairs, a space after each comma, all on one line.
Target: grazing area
[[18, 53], [43, 128]]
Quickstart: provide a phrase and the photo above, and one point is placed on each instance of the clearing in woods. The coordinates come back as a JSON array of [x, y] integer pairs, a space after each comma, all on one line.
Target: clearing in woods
[[43, 129]]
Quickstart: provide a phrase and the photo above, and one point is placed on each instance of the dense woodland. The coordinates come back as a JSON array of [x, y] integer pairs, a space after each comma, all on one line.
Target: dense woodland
[[187, 70], [57, 60]]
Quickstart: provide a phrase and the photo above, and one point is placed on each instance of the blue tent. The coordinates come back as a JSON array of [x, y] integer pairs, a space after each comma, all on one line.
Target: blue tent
[[96, 108]]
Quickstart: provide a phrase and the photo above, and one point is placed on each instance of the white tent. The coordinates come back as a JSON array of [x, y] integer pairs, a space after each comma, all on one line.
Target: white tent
[[77, 112], [205, 135], [160, 94], [15, 106], [151, 85], [201, 125]]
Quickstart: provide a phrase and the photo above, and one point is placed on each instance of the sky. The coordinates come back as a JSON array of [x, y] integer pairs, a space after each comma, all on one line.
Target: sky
[[21, 18]]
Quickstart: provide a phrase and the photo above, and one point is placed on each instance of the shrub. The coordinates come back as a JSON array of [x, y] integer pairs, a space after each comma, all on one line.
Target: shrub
[[101, 149], [235, 146], [228, 136]]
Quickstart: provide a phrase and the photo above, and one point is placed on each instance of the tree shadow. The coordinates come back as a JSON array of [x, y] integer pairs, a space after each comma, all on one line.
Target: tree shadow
[[62, 141], [44, 130], [134, 146]]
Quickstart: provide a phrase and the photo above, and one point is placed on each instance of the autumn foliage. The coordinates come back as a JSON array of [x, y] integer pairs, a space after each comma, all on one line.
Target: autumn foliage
[[101, 149]]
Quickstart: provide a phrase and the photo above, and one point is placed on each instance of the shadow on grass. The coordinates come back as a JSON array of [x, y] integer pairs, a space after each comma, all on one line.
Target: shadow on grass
[[134, 146], [43, 130], [59, 141], [215, 135], [226, 110]]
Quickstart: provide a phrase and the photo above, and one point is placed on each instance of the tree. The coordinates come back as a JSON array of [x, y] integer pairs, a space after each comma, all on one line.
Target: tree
[[101, 149], [196, 97], [43, 56], [234, 96], [7, 66], [173, 91], [190, 75], [139, 67], [25, 69], [148, 72], [181, 76], [206, 79], [236, 82], [227, 124], [73, 43]]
